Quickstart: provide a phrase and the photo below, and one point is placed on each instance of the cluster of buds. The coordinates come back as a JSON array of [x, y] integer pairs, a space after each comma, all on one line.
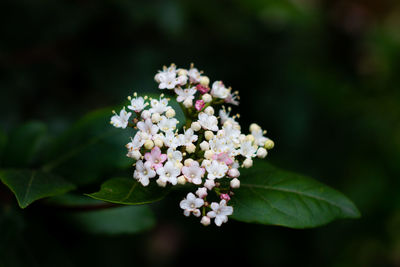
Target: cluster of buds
[[209, 150]]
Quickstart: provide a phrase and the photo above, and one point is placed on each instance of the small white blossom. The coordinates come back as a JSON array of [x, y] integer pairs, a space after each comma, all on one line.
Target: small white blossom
[[194, 172], [185, 94], [208, 122], [121, 120], [169, 173], [218, 90], [201, 192], [191, 204], [159, 106], [170, 140], [216, 170], [143, 172], [188, 138], [137, 104], [220, 212], [194, 75], [147, 128], [174, 156], [209, 184], [248, 150], [166, 124]]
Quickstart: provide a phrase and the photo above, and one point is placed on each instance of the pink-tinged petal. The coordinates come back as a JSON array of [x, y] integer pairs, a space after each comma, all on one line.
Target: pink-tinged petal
[[185, 171], [202, 89], [211, 214], [156, 166], [202, 171], [163, 157], [196, 180], [225, 196], [147, 156], [199, 105], [156, 152]]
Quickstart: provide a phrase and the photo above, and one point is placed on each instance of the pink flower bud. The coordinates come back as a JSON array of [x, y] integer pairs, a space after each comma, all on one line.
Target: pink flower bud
[[225, 196], [199, 105], [234, 173], [202, 89]]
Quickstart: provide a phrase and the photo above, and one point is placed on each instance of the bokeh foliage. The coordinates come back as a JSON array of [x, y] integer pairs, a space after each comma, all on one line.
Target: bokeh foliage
[[321, 76]]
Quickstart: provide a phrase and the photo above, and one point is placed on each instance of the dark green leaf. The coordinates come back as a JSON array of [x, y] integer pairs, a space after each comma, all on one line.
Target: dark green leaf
[[128, 192], [271, 196], [24, 144], [29, 186], [3, 142], [118, 220], [90, 148]]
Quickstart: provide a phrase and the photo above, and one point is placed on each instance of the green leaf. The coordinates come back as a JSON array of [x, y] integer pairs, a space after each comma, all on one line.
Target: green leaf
[[90, 149], [29, 186], [129, 192], [3, 142], [24, 144], [117, 220], [271, 196]]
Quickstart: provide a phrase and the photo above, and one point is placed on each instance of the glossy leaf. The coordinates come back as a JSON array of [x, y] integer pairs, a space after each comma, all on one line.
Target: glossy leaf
[[28, 185], [128, 191], [271, 196], [24, 144], [90, 148]]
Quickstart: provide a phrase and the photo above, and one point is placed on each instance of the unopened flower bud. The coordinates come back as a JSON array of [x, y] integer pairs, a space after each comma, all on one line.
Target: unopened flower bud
[[182, 72], [181, 180], [250, 138], [202, 192], [234, 173], [208, 154], [148, 144], [191, 148], [188, 162], [158, 142], [209, 184], [205, 221], [269, 144], [204, 145], [196, 126], [155, 118], [209, 111], [161, 183], [235, 183], [204, 80], [262, 152], [254, 127], [225, 197], [134, 154], [207, 98], [188, 103], [248, 163], [208, 135], [146, 114], [170, 113]]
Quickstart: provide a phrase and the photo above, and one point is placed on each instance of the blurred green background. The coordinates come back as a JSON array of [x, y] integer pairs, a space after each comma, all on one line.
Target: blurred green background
[[322, 76]]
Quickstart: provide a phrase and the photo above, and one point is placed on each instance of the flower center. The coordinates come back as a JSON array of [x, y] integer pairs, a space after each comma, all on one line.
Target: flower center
[[192, 175], [145, 172], [192, 206]]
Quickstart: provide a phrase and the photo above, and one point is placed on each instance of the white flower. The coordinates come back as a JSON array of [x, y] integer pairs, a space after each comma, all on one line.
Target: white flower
[[188, 138], [143, 172], [167, 78], [136, 143], [209, 184], [122, 120], [166, 124], [159, 106], [174, 156], [259, 139], [201, 192], [170, 140], [137, 104], [185, 94], [169, 173], [218, 90], [208, 122], [191, 204], [147, 128], [216, 170], [194, 75], [220, 212], [247, 149], [205, 221], [194, 172]]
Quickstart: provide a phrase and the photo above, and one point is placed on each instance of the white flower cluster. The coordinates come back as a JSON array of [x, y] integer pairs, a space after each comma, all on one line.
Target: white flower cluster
[[207, 153]]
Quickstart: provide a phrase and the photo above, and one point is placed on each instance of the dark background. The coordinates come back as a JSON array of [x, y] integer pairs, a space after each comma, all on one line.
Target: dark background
[[321, 76]]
